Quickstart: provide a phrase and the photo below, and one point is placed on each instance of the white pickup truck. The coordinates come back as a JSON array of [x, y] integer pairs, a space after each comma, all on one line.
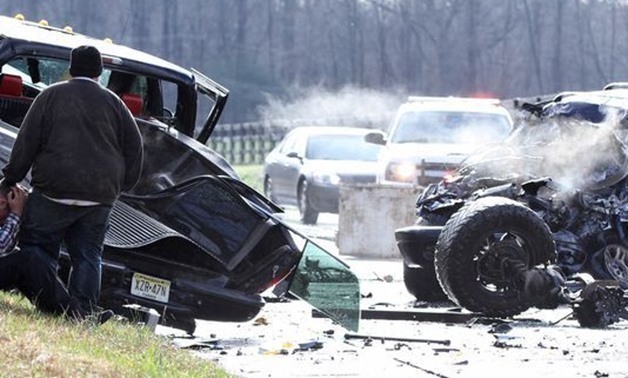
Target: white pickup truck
[[430, 136]]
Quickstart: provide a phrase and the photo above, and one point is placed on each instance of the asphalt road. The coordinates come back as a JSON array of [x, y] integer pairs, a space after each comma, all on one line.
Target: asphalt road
[[326, 227], [286, 340]]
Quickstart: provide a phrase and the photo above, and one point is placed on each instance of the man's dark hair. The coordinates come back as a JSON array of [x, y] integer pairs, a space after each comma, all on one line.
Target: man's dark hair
[[85, 61]]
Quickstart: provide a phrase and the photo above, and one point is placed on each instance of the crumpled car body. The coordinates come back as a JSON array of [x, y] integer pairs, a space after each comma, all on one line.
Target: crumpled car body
[[567, 163], [190, 240]]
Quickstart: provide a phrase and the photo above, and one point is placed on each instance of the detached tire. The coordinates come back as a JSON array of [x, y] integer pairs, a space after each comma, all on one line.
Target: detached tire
[[422, 284], [477, 245]]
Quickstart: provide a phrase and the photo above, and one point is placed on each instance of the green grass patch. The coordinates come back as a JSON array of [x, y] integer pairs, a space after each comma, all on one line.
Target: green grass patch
[[252, 175], [37, 345]]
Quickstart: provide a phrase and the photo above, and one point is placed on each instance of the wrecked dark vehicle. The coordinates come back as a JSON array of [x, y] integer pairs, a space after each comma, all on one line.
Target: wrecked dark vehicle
[[554, 194], [191, 240]]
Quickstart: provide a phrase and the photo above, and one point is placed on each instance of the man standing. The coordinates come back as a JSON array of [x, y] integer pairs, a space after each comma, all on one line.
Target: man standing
[[84, 148]]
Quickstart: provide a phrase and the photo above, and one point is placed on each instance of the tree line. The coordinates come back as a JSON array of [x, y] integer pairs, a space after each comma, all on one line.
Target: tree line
[[269, 48]]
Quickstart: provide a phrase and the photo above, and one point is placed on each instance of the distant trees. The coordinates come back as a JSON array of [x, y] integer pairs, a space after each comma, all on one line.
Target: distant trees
[[506, 48]]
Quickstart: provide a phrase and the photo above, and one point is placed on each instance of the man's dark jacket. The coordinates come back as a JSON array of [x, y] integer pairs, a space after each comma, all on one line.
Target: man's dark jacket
[[81, 142]]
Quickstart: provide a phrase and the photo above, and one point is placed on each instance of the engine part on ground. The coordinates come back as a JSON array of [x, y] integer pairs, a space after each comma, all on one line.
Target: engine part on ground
[[142, 314], [349, 336], [543, 286], [601, 303]]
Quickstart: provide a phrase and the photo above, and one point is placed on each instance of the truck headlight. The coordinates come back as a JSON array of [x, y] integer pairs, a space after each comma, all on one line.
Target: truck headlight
[[401, 171]]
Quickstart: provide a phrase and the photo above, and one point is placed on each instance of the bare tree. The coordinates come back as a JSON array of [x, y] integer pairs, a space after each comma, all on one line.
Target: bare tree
[[557, 67], [240, 40], [533, 37], [288, 17], [355, 41], [433, 47], [270, 37], [473, 47]]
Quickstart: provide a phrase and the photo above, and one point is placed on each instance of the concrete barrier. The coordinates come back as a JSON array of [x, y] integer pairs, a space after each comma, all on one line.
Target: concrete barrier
[[368, 217]]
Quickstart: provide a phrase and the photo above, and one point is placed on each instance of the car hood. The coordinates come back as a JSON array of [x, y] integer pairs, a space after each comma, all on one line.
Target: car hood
[[433, 152], [343, 167]]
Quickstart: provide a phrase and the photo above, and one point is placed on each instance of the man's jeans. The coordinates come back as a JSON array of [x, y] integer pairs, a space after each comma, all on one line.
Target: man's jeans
[[46, 224], [36, 279]]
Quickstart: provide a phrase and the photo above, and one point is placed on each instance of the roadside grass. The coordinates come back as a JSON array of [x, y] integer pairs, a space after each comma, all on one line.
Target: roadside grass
[[36, 345], [33, 344], [252, 175]]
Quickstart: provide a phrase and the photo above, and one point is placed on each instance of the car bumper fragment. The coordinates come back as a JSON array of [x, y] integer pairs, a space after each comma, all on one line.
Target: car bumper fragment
[[417, 244]]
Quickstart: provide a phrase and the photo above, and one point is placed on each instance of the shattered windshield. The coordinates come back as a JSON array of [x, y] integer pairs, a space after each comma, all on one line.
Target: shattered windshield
[[42, 72], [450, 127]]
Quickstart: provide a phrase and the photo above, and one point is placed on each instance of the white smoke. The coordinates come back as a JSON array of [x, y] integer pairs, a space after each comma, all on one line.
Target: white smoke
[[576, 154], [349, 106]]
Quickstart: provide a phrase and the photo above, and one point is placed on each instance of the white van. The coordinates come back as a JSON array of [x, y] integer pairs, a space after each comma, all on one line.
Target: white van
[[430, 136]]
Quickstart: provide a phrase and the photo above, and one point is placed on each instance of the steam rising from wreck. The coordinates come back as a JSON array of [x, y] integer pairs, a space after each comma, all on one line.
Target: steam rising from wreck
[[348, 106], [576, 154]]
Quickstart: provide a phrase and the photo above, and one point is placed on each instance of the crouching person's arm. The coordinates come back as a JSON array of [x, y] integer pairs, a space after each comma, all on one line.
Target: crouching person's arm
[[12, 201]]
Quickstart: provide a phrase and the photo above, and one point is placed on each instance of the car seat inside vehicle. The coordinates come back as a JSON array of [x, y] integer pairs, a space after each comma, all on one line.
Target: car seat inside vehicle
[[13, 106], [133, 102]]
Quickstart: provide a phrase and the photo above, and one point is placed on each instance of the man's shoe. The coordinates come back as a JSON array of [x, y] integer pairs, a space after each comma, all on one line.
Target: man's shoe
[[97, 317], [104, 316]]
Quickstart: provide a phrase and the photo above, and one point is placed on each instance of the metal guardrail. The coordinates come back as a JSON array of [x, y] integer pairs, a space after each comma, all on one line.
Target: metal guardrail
[[249, 143], [246, 143]]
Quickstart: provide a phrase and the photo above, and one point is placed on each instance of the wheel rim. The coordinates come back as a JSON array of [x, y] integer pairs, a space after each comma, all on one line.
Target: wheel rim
[[496, 259], [616, 259]]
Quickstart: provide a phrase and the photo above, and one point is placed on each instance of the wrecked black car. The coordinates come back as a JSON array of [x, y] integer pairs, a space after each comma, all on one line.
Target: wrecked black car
[[555, 192], [191, 240]]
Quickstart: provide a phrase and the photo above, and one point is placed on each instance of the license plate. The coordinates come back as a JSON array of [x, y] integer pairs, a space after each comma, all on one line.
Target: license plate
[[150, 287]]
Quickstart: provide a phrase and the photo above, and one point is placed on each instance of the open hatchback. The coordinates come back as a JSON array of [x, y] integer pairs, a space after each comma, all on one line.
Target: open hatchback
[[190, 240]]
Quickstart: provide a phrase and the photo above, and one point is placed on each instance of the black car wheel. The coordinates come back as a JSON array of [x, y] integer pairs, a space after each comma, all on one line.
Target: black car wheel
[[483, 249], [268, 189], [308, 214], [422, 284]]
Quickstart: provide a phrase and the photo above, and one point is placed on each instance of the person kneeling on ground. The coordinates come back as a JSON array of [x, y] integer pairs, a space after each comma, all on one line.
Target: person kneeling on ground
[[29, 272], [26, 272]]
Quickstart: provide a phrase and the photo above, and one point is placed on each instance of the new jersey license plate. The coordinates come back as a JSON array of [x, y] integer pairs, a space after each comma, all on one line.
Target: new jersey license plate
[[150, 287]]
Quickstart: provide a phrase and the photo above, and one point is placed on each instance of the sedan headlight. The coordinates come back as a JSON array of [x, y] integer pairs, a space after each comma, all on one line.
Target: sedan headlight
[[401, 171], [326, 178]]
